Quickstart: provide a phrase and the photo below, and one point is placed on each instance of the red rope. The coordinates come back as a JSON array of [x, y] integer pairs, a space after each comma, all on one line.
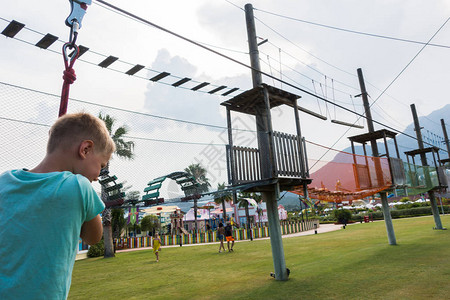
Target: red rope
[[68, 76]]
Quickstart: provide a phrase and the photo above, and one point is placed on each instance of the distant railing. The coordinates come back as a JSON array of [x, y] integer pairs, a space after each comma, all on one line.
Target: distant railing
[[371, 172], [211, 236], [397, 171], [442, 176]]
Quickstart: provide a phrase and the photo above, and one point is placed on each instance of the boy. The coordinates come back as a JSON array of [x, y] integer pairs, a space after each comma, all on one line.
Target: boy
[[229, 236], [45, 210]]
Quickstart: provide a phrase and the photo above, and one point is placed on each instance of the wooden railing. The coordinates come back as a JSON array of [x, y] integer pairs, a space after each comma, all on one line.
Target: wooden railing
[[246, 164], [287, 154], [287, 159]]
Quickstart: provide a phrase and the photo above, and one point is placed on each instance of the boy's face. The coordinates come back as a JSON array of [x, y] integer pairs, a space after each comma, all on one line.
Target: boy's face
[[92, 164]]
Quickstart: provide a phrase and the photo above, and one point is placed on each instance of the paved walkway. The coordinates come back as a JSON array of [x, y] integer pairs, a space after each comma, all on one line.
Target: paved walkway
[[322, 228]]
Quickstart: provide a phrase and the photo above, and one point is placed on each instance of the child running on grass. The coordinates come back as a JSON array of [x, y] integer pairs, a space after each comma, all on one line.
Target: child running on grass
[[220, 235], [229, 236], [156, 246], [44, 211]]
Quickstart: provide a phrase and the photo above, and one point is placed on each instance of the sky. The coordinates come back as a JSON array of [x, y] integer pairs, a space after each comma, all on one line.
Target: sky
[[314, 58]]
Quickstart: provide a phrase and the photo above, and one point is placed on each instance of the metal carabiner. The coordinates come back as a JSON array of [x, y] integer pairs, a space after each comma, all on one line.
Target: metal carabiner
[[69, 59], [78, 10]]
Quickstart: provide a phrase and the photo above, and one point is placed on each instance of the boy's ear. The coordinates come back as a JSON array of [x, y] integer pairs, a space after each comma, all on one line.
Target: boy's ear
[[86, 146]]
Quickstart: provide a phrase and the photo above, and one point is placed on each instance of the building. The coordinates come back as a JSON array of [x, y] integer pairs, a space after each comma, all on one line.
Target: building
[[212, 214], [163, 213]]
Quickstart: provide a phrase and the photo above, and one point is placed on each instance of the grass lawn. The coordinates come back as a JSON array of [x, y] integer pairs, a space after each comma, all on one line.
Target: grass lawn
[[355, 263]]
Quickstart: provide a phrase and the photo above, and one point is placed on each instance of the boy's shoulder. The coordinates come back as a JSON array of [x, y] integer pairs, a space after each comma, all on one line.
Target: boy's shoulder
[[23, 176]]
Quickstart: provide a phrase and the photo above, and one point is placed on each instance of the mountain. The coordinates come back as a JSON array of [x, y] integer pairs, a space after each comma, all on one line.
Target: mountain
[[290, 201]]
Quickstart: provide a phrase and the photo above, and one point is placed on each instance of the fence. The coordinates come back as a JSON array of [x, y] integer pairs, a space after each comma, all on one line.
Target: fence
[[287, 154], [210, 237]]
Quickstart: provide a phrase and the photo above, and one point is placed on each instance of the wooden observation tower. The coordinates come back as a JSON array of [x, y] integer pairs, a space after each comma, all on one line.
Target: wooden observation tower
[[279, 161]]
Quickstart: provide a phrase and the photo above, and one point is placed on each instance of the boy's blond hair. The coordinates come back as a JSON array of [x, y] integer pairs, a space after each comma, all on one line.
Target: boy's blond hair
[[74, 128]]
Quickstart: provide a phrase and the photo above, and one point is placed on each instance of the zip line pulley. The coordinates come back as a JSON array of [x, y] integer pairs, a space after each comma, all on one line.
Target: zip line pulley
[[78, 10]]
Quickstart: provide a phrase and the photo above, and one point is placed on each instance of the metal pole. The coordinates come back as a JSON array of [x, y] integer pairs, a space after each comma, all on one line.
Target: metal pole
[[423, 157], [263, 128], [373, 143]]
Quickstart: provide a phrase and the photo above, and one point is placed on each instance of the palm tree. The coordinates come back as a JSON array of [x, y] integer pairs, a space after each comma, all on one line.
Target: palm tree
[[242, 202], [199, 174], [117, 222], [222, 198], [258, 199], [124, 150]]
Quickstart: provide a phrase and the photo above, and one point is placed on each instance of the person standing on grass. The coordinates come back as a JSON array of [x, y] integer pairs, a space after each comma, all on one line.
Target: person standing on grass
[[229, 236], [156, 246], [220, 235], [45, 210]]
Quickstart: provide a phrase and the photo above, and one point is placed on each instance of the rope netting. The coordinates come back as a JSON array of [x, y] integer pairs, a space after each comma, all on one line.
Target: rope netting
[[341, 176], [163, 146]]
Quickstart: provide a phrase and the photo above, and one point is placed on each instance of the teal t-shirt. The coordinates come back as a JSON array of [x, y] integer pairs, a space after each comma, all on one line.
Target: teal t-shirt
[[41, 215]]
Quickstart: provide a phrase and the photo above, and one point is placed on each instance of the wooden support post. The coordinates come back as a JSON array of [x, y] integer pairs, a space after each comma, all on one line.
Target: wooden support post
[[279, 262], [444, 130], [266, 152], [303, 168], [423, 157], [383, 195]]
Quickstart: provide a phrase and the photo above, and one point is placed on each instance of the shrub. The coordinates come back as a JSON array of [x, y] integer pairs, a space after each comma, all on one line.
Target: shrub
[[342, 215], [358, 218], [96, 250], [404, 213]]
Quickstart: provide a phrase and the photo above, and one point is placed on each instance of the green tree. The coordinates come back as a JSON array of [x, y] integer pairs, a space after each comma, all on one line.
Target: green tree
[[124, 150], [117, 222], [259, 211], [242, 202], [342, 215], [149, 222], [199, 174], [134, 228], [133, 196], [222, 197]]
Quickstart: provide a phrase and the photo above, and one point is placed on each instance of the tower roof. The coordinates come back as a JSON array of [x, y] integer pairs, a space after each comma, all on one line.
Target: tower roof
[[252, 101]]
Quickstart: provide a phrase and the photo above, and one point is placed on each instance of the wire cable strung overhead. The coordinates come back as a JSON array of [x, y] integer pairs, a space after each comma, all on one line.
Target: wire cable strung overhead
[[236, 61], [304, 75], [281, 50], [390, 84], [373, 35], [242, 64], [130, 111], [353, 31], [306, 51], [110, 59]]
